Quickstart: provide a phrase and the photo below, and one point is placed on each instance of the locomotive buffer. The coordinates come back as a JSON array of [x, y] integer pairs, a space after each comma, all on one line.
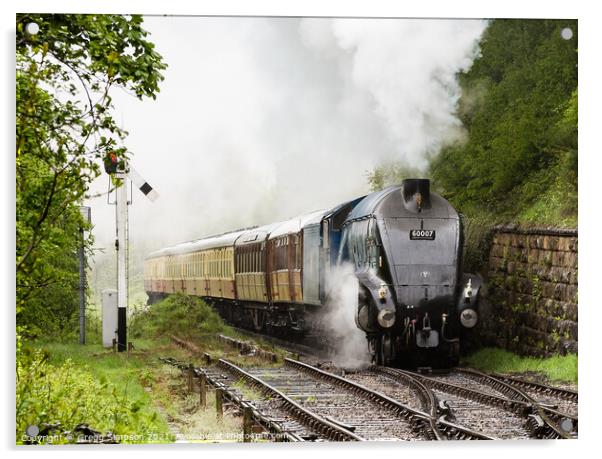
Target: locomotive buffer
[[124, 172]]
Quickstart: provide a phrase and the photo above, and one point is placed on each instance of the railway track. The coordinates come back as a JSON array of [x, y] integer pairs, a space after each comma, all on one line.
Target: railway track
[[486, 404], [553, 410], [545, 421], [364, 412], [283, 409], [303, 402], [566, 400], [432, 426], [274, 412], [486, 412], [307, 348], [310, 404]]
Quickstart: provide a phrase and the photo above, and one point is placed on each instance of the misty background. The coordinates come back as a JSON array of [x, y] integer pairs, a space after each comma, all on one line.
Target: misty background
[[261, 119]]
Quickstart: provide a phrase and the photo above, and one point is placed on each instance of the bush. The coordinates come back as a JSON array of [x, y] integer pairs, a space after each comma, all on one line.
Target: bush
[[519, 161], [71, 395], [185, 315]]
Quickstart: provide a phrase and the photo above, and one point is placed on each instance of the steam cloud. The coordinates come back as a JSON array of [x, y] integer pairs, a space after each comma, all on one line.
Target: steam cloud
[[261, 119], [350, 348]]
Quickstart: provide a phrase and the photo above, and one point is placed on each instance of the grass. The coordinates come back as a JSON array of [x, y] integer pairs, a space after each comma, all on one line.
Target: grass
[[550, 196], [129, 378], [154, 397], [557, 368], [192, 319], [182, 410], [164, 407]]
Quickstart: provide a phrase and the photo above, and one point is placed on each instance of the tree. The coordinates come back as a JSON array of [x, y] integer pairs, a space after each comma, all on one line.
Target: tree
[[519, 107], [64, 129]]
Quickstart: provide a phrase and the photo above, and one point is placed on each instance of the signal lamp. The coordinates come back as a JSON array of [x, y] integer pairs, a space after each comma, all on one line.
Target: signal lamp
[[111, 163]]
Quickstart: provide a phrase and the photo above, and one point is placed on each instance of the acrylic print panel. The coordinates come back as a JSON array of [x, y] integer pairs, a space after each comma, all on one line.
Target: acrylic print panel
[[302, 229]]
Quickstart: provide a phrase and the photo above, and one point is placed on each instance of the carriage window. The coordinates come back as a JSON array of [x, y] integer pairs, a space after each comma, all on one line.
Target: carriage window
[[281, 253], [297, 252]]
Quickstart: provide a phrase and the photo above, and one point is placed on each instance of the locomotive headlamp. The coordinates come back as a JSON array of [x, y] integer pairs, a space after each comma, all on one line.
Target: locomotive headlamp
[[386, 318], [468, 318]]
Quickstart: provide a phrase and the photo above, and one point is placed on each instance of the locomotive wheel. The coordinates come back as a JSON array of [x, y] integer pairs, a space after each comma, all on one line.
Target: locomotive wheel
[[383, 350], [387, 349]]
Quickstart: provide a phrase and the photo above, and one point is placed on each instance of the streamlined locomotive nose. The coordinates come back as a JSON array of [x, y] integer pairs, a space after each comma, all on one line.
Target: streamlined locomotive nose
[[405, 243]]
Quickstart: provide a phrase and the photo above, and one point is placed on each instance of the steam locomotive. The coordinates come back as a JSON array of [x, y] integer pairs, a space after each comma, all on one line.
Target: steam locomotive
[[403, 242]]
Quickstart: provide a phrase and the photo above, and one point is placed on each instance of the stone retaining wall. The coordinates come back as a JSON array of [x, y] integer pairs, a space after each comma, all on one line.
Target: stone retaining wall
[[532, 291]]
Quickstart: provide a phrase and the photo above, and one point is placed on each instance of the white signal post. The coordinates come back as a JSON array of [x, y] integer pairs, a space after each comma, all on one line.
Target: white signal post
[[121, 245]]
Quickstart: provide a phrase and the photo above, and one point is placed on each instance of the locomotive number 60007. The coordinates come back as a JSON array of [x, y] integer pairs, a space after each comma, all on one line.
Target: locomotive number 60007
[[422, 235]]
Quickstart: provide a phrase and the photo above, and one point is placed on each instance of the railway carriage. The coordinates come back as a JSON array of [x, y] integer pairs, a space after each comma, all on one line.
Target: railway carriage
[[204, 268], [405, 245]]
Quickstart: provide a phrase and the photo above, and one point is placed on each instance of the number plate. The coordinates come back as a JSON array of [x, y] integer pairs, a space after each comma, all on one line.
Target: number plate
[[422, 235]]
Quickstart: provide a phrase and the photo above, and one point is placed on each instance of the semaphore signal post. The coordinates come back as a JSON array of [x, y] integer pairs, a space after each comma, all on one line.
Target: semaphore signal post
[[123, 172]]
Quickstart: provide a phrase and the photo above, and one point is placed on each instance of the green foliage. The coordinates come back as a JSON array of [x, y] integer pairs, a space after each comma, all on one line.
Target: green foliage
[[519, 106], [51, 388], [557, 368], [64, 127], [390, 173], [187, 316], [478, 235]]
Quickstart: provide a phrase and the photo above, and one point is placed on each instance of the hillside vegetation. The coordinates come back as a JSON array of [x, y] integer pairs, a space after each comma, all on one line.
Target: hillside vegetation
[[518, 162]]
